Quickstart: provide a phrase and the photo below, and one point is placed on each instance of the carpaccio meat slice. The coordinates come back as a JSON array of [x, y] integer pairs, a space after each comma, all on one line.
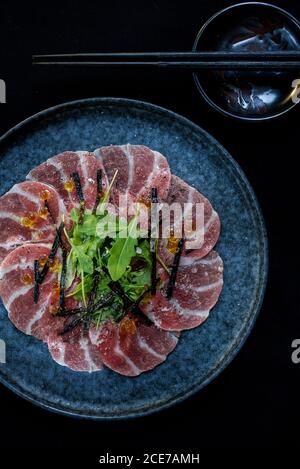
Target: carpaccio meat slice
[[181, 192], [132, 346], [198, 285], [139, 169], [75, 350], [24, 218], [57, 171], [17, 290]]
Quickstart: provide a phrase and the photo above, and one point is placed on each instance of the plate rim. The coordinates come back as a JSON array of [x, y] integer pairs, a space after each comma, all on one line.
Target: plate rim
[[233, 166]]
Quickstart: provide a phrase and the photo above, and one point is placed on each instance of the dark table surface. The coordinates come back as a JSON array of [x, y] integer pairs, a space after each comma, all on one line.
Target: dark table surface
[[253, 402]]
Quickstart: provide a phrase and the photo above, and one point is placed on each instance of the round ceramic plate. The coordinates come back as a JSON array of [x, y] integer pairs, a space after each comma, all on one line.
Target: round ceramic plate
[[203, 352]]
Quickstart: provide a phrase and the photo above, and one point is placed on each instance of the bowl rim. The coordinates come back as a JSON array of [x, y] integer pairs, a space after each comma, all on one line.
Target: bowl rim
[[195, 45]]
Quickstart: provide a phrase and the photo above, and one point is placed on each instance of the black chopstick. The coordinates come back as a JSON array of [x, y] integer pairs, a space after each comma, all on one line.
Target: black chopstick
[[158, 56], [218, 60], [192, 66]]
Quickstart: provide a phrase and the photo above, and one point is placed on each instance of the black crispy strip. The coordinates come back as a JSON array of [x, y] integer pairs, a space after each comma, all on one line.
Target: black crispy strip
[[130, 306], [78, 187], [81, 313], [92, 298], [99, 190], [36, 281], [46, 203], [174, 269], [116, 288], [63, 280], [70, 325], [104, 301], [39, 276], [96, 278], [70, 312], [52, 254], [153, 246], [153, 272]]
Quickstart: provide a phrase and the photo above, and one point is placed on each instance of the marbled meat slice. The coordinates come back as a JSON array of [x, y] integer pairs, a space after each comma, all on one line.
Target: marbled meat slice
[[24, 218], [181, 192], [17, 290], [75, 350], [139, 169], [198, 286], [57, 171], [131, 346]]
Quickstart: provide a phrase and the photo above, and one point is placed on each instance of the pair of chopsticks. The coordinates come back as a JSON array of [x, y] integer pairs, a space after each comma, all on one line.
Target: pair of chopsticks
[[219, 60]]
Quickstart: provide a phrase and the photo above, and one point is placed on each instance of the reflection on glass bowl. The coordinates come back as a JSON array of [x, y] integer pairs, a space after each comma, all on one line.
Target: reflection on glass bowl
[[249, 27]]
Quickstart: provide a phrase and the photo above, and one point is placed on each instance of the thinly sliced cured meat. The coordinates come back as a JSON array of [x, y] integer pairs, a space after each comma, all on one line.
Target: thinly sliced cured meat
[[139, 169], [17, 289], [131, 346], [57, 171], [75, 350], [180, 192], [199, 283], [24, 217], [29, 215]]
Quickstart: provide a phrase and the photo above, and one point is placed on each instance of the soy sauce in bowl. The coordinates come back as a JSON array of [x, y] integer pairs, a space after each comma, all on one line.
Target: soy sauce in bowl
[[251, 95]]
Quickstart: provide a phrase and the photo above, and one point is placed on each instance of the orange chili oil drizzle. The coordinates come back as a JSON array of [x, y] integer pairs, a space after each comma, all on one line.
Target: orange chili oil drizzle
[[32, 218], [54, 303], [172, 244], [69, 185], [127, 326], [27, 279]]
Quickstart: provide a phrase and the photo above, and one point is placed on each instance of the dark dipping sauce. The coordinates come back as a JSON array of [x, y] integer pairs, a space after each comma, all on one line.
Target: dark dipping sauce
[[249, 27]]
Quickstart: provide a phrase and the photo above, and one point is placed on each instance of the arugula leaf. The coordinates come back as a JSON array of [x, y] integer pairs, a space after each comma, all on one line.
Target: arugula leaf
[[85, 262], [87, 227], [71, 269], [145, 254], [94, 246], [122, 251], [102, 289], [74, 215], [77, 292], [135, 283], [113, 311], [79, 252], [106, 226]]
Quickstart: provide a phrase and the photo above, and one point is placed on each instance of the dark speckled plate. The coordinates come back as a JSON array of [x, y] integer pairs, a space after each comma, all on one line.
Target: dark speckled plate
[[203, 352]]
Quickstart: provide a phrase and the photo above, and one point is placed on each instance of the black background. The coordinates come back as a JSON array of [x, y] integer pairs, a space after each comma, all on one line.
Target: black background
[[253, 403]]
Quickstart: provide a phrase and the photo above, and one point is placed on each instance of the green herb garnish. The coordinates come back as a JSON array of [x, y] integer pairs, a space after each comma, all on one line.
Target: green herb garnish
[[122, 251], [104, 247]]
